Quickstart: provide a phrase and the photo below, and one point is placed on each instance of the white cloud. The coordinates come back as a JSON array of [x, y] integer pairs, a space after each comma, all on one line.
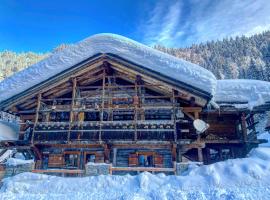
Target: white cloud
[[162, 25], [181, 23]]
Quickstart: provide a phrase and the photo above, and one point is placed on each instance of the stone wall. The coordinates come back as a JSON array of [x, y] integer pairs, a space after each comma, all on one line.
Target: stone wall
[[95, 169], [10, 170]]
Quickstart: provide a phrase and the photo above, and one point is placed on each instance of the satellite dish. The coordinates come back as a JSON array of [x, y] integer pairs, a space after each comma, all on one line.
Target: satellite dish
[[200, 125]]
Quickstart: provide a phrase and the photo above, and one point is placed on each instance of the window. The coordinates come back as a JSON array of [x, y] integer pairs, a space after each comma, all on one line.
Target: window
[[72, 159], [90, 157], [225, 154], [214, 154], [146, 160]]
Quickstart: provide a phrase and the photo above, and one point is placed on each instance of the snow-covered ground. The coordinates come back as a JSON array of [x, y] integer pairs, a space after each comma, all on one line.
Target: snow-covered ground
[[247, 178]]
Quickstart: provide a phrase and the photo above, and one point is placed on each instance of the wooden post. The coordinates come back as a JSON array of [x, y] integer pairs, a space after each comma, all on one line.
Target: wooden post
[[102, 105], [71, 116], [135, 103], [106, 153], [114, 156], [174, 115], [179, 155], [200, 154], [110, 96], [36, 117], [174, 152], [244, 127]]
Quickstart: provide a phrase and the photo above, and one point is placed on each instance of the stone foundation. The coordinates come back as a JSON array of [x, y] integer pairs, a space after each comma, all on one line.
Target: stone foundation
[[95, 169], [10, 170]]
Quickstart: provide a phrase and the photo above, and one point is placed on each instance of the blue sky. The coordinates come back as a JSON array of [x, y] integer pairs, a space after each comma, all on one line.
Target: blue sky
[[41, 25]]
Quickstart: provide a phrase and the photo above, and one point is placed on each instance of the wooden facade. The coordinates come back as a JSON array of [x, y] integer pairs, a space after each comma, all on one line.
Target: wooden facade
[[110, 110]]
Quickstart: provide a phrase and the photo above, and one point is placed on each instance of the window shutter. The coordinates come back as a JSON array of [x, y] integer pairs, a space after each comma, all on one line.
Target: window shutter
[[158, 160], [133, 160], [55, 160]]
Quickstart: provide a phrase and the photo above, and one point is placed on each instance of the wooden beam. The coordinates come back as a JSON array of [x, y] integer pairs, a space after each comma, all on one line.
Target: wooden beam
[[37, 116], [244, 126], [102, 105], [174, 115], [71, 116]]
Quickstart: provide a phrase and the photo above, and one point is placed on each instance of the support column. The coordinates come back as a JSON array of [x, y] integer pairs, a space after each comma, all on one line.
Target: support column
[[174, 115], [200, 153], [36, 117], [114, 156], [106, 153], [71, 115], [102, 105], [179, 154], [135, 104], [244, 126]]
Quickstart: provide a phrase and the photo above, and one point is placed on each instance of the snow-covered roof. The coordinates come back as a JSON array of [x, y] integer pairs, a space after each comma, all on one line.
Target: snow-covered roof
[[178, 69], [242, 92]]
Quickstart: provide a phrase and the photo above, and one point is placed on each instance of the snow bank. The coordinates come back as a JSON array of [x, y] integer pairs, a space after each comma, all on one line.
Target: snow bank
[[247, 178], [108, 43], [251, 92], [265, 136]]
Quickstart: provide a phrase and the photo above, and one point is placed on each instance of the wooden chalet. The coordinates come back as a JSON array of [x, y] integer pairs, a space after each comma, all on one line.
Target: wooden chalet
[[106, 108]]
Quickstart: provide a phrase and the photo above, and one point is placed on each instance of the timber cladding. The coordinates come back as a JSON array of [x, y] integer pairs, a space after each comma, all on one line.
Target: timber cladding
[[109, 110]]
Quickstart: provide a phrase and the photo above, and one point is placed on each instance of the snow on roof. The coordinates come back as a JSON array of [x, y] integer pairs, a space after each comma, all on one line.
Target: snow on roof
[[244, 92], [128, 49]]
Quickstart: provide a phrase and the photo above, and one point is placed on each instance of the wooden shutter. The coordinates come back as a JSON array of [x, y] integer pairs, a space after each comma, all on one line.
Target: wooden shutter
[[158, 160], [55, 160], [133, 160]]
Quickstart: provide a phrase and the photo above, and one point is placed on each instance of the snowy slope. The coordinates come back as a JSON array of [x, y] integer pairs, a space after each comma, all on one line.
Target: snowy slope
[[108, 43], [254, 92]]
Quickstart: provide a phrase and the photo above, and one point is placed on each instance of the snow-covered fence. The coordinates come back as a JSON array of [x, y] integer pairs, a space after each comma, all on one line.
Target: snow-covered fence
[[4, 116]]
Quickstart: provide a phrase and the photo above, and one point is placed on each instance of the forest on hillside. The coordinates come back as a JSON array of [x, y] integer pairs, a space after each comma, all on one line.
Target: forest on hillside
[[240, 57]]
